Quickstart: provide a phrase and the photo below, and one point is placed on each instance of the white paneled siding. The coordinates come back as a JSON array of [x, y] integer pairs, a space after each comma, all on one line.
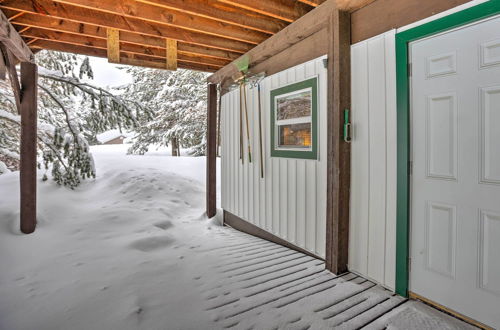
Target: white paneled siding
[[290, 201], [372, 234]]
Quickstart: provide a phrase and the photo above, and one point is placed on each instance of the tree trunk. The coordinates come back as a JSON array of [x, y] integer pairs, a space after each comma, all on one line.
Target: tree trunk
[[175, 147]]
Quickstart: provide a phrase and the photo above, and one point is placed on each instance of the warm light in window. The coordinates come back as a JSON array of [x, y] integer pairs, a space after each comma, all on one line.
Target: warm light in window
[[295, 135]]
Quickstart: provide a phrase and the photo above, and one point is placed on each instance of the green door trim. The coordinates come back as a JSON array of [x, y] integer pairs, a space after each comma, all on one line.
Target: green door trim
[[466, 16]]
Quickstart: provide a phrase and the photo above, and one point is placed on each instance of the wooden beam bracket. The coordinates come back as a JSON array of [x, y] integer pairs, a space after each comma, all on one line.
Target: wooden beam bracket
[[113, 45], [13, 41], [8, 59], [171, 54]]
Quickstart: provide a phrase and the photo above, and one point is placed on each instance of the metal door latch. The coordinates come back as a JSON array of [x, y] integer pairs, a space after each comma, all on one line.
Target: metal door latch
[[347, 127]]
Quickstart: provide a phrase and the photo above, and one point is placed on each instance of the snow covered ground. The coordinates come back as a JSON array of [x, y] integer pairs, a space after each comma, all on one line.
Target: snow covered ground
[[132, 249]]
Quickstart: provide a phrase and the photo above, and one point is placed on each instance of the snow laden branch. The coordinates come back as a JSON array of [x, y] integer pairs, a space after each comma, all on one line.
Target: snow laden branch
[[71, 112]]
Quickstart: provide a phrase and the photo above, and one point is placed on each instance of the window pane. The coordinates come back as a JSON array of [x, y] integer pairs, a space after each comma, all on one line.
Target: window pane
[[295, 105], [295, 135]]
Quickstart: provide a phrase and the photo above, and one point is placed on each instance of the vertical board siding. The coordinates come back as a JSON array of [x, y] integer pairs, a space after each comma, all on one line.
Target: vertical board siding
[[373, 176], [290, 201]]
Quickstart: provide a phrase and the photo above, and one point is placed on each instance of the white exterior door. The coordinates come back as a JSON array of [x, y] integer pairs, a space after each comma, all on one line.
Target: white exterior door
[[455, 203]]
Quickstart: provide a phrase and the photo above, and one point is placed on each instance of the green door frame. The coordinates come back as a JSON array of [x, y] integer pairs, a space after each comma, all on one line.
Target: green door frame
[[466, 16]]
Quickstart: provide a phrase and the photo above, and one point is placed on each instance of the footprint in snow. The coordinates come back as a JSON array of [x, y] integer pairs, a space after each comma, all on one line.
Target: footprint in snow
[[163, 225], [152, 243]]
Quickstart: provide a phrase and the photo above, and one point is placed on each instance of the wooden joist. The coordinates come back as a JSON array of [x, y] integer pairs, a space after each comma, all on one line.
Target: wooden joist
[[108, 20], [285, 10], [171, 54], [13, 41], [158, 15], [113, 46], [223, 13], [313, 3], [101, 43], [51, 28], [125, 58]]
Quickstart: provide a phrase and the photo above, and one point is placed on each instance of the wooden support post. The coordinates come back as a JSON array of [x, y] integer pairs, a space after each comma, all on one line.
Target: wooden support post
[[211, 150], [171, 54], [113, 45], [29, 77], [339, 152]]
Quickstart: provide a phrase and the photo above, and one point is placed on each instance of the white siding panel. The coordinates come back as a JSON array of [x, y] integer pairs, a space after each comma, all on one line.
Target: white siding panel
[[377, 145], [290, 201], [391, 133], [373, 163]]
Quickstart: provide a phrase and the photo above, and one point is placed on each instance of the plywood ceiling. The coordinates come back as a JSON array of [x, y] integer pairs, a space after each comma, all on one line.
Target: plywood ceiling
[[209, 33]]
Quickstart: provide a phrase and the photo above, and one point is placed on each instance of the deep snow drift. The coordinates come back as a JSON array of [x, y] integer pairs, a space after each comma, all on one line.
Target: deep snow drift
[[132, 249], [116, 253]]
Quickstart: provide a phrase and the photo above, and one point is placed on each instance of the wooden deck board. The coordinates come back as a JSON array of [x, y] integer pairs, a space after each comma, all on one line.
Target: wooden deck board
[[262, 285]]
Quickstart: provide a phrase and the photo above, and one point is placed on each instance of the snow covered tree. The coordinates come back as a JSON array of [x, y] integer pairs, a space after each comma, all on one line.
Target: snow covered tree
[[178, 102], [70, 111]]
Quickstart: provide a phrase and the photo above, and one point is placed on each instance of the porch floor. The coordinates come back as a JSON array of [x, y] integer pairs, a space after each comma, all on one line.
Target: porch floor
[[262, 285]]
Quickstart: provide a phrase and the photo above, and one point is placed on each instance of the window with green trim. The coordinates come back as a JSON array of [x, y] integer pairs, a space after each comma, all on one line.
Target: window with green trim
[[293, 120]]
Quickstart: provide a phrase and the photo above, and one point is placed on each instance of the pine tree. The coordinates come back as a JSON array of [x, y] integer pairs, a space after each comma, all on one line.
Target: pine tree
[[70, 111], [178, 102]]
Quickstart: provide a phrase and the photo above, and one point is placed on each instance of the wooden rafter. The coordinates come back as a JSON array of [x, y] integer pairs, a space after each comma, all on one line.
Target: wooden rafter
[[285, 10], [113, 45], [223, 13], [314, 3], [171, 54], [13, 41], [133, 49], [125, 58], [107, 20], [208, 33], [16, 16], [58, 26], [158, 15]]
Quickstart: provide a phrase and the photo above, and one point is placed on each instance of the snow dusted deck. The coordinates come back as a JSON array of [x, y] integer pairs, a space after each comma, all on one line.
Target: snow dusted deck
[[262, 285]]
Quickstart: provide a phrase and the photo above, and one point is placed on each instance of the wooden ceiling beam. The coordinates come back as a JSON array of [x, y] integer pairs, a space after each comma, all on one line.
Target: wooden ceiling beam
[[107, 20], [171, 17], [304, 27], [314, 3], [128, 59], [101, 43], [347, 5], [352, 5], [223, 13], [46, 24], [286, 10], [11, 39]]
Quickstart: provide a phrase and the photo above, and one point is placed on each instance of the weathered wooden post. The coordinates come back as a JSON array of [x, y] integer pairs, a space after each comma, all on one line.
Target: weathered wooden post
[[14, 48], [339, 151], [211, 150], [29, 78]]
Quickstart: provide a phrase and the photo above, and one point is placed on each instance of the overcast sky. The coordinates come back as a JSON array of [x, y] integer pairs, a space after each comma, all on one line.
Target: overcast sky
[[108, 74]]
